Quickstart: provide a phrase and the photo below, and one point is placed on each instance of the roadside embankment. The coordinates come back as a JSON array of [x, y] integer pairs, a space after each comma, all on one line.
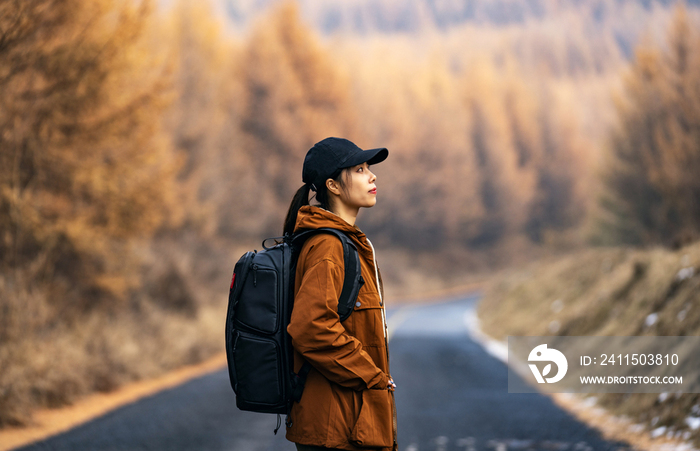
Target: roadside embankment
[[610, 291]]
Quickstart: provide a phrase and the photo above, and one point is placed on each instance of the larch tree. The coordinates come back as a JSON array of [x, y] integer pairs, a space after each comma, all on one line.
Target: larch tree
[[84, 167], [293, 96], [653, 188]]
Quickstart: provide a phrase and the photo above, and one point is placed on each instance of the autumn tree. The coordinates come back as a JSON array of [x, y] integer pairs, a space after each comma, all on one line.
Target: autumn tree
[[429, 185], [84, 167], [293, 96], [506, 176], [204, 118], [653, 188], [476, 158], [528, 158]]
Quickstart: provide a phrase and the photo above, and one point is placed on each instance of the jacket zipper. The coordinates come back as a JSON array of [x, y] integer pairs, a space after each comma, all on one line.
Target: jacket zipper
[[379, 289], [386, 340]]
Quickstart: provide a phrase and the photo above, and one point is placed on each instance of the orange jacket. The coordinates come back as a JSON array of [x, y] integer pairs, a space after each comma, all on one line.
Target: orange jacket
[[345, 403]]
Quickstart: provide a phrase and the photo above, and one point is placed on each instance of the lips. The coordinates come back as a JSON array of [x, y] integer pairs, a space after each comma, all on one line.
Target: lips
[[373, 191]]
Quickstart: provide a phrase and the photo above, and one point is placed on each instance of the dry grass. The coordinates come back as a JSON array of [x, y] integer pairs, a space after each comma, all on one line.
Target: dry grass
[[607, 292], [100, 353], [51, 357]]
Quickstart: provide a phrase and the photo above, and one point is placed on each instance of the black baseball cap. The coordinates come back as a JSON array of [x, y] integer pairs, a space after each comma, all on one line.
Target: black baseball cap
[[327, 157]]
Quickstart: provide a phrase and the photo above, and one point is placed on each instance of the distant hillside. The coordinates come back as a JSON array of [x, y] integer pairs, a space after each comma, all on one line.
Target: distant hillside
[[388, 16], [623, 21]]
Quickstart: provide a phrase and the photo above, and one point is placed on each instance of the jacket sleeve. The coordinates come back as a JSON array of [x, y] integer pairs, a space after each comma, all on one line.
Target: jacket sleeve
[[319, 336]]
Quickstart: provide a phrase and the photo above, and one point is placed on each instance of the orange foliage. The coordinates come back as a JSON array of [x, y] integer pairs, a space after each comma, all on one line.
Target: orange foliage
[[654, 154], [293, 96], [136, 151], [478, 156], [84, 164]]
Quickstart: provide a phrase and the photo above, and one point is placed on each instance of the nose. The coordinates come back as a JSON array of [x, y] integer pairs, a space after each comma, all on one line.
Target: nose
[[372, 177]]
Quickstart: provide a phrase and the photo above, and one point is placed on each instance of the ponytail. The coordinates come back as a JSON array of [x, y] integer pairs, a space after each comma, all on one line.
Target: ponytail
[[300, 199]]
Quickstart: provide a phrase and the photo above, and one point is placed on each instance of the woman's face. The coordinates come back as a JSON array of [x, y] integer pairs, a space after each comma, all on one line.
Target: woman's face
[[360, 189]]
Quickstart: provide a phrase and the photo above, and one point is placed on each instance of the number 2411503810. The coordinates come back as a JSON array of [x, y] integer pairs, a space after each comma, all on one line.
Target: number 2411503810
[[639, 359]]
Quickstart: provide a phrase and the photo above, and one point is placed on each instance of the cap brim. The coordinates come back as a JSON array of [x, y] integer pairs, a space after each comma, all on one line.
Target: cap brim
[[371, 156]]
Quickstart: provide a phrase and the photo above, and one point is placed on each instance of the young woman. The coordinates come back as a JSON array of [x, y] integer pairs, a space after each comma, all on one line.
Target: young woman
[[348, 400]]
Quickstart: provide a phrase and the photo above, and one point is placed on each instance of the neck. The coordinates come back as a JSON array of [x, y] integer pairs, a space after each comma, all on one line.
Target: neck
[[348, 214]]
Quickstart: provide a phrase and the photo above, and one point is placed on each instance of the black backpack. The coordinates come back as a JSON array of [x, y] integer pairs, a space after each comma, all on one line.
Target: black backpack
[[261, 297]]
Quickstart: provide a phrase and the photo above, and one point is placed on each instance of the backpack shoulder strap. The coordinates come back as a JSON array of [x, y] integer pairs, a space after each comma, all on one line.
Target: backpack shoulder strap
[[352, 281]]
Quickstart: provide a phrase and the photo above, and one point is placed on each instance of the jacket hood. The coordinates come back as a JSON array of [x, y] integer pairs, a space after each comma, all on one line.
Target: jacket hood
[[312, 217]]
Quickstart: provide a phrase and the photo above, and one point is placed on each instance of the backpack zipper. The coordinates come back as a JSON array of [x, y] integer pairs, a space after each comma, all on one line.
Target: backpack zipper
[[233, 353], [255, 274]]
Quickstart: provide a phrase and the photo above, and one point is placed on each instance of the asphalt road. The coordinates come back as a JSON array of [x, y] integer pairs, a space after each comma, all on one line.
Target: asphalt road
[[451, 395]]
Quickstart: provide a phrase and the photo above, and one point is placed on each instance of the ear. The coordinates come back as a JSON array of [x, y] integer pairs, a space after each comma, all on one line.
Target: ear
[[333, 187]]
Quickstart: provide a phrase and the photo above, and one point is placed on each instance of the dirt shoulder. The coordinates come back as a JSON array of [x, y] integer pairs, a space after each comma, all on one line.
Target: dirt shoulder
[[615, 427]]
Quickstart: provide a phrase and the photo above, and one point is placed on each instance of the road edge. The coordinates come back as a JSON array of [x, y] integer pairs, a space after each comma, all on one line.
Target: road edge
[[50, 422]]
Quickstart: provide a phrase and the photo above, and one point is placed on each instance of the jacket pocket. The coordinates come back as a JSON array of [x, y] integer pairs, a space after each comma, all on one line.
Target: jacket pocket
[[373, 428]]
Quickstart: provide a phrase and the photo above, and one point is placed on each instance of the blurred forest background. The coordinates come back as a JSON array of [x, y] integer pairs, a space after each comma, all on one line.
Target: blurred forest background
[[145, 145]]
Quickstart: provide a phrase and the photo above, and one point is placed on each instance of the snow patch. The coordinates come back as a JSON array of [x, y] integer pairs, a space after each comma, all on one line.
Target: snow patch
[[693, 422]]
